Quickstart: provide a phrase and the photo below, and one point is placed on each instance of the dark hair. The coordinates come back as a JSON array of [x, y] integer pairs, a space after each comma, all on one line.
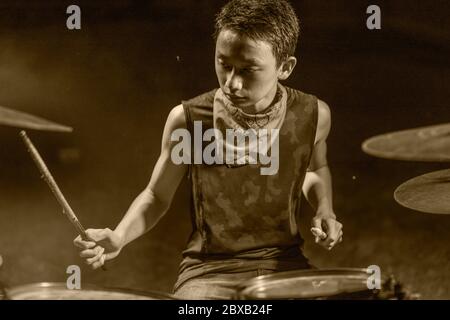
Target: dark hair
[[273, 21]]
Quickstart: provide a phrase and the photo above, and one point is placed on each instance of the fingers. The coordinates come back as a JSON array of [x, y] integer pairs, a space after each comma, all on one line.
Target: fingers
[[337, 240], [332, 241], [99, 263], [97, 235], [334, 232], [90, 253], [317, 230], [80, 243], [94, 257], [97, 257], [318, 234], [333, 228], [93, 253], [93, 235]]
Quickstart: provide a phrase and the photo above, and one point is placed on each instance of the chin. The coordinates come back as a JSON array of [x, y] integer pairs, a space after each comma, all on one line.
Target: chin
[[243, 104]]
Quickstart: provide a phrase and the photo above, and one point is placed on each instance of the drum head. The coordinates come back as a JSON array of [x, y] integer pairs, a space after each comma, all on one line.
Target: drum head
[[308, 284], [59, 291]]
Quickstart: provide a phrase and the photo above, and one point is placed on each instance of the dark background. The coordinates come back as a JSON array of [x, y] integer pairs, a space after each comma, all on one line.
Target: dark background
[[117, 78]]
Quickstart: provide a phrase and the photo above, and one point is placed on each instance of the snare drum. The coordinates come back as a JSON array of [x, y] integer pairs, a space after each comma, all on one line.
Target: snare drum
[[325, 284], [59, 291]]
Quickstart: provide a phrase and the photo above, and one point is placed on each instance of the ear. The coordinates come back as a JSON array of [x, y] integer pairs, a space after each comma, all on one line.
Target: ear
[[286, 68]]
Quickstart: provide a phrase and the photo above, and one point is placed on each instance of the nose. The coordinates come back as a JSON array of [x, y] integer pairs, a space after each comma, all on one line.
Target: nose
[[234, 82]]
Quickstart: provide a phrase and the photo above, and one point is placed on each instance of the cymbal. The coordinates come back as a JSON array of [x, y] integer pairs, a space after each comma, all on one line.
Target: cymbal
[[18, 119], [430, 143], [428, 193]]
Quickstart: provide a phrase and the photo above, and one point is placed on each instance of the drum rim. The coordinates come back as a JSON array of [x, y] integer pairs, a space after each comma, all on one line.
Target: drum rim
[[246, 289], [9, 291]]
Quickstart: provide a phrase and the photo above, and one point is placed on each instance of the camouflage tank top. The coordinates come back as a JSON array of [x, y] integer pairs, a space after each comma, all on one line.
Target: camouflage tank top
[[242, 218]]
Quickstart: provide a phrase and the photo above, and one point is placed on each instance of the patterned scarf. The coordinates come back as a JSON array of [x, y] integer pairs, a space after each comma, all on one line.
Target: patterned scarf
[[228, 116]]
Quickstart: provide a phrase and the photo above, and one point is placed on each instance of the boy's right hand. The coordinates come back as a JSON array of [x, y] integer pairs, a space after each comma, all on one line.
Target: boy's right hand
[[102, 245]]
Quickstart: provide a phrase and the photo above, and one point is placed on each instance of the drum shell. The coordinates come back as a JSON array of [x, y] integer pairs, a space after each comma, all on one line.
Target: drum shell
[[324, 284], [59, 291]]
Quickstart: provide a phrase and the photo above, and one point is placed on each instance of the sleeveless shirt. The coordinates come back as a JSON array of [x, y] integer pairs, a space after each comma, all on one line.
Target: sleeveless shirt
[[243, 220]]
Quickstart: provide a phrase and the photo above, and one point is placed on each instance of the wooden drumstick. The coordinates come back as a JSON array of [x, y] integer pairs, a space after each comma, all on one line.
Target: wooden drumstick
[[47, 176]]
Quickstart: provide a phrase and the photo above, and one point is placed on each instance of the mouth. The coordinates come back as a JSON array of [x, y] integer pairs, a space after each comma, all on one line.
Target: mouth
[[234, 98]]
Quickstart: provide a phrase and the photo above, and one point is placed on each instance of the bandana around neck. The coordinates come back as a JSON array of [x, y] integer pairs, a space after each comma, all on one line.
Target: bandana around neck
[[227, 116]]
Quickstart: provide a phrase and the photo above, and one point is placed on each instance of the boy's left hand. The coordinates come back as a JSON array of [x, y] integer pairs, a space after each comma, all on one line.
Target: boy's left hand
[[331, 230]]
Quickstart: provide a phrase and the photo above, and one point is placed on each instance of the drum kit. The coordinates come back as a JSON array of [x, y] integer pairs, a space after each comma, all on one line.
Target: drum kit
[[59, 291], [427, 193], [323, 284]]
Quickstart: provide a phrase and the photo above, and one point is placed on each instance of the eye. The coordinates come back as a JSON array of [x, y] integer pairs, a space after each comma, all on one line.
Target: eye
[[224, 65], [248, 71]]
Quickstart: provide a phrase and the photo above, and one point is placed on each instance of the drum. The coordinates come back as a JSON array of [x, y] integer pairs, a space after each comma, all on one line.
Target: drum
[[325, 284], [59, 291]]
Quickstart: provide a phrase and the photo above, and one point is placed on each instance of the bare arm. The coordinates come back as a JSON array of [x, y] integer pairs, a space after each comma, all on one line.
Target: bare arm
[[317, 186], [154, 201], [148, 207]]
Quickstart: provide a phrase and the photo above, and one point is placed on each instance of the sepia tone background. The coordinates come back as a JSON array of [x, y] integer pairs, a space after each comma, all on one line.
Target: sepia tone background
[[115, 82]]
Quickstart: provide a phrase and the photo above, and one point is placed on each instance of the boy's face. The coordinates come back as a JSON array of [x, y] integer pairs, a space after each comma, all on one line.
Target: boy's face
[[246, 69]]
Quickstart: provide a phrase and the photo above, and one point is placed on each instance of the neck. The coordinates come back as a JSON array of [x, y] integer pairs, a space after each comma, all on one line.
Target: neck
[[262, 104]]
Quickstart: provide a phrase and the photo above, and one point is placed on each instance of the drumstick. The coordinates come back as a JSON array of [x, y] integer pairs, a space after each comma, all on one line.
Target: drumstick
[[47, 176], [317, 232]]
